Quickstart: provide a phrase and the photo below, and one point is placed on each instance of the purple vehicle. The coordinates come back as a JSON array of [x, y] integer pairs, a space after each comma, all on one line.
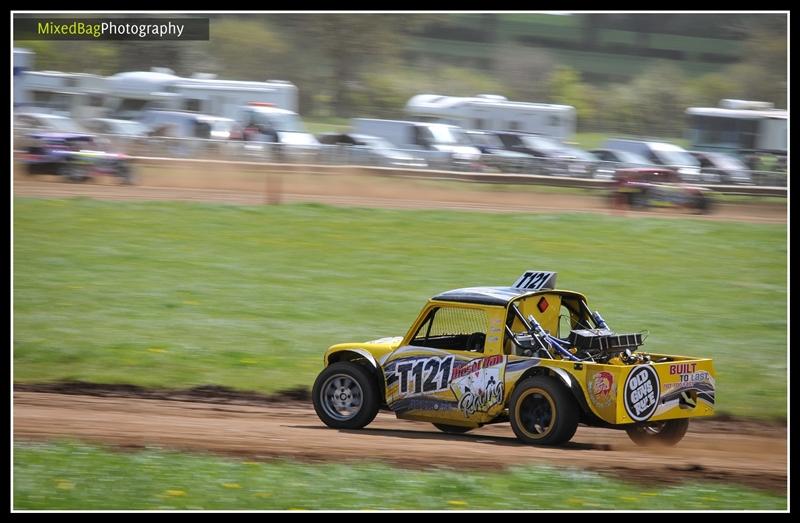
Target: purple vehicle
[[75, 156]]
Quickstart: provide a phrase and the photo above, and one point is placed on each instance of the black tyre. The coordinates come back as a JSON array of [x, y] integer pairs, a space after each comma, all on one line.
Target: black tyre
[[73, 172], [639, 200], [658, 433], [543, 411], [125, 175], [702, 204], [452, 429], [345, 396]]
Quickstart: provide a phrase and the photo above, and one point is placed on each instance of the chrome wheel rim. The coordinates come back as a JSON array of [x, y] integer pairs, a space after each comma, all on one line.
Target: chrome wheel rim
[[342, 397]]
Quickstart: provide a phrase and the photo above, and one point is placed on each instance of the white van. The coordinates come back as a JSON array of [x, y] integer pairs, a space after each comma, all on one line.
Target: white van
[[441, 145], [274, 125]]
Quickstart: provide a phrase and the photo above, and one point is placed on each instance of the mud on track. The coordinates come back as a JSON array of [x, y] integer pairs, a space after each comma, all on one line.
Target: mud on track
[[745, 453], [361, 190]]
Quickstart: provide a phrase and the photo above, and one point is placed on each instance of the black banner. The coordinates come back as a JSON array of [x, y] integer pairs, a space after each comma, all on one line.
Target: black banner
[[147, 29]]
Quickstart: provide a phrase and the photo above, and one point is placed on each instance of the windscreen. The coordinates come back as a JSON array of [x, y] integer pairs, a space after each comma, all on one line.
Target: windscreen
[[285, 122], [673, 155], [444, 135]]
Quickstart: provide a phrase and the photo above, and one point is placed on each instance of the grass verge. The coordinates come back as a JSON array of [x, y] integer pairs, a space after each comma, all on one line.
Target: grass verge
[[66, 476]]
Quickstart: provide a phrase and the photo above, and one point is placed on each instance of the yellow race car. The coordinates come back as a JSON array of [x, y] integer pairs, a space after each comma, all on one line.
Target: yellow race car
[[527, 354]]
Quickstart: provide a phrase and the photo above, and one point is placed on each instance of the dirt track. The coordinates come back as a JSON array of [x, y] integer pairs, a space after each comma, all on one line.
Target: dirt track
[[748, 454], [736, 452], [364, 191]]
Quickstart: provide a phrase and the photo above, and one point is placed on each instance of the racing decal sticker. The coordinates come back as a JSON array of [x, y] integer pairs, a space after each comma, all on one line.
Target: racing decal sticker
[[422, 375], [693, 384], [602, 389], [642, 392], [431, 383], [479, 384]]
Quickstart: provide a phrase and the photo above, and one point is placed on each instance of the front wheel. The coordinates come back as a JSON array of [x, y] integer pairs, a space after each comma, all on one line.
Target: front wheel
[[543, 411], [345, 396], [125, 175], [658, 433], [702, 204], [452, 429]]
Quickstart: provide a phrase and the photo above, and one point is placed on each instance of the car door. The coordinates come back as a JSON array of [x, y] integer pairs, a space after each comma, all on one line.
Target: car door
[[443, 372]]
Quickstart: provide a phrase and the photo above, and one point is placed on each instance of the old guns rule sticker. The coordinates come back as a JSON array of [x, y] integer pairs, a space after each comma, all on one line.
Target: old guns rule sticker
[[641, 393]]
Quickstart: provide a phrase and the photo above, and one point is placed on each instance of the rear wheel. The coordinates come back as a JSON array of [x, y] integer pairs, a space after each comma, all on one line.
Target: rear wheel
[[73, 172], [452, 429], [543, 411], [639, 200], [345, 396], [659, 433]]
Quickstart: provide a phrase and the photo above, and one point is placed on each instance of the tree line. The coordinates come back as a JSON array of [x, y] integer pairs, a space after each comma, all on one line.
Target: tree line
[[357, 65]]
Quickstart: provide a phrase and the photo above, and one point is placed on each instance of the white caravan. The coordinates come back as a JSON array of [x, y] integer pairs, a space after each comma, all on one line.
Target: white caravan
[[131, 93], [495, 113], [78, 94], [128, 94], [738, 127]]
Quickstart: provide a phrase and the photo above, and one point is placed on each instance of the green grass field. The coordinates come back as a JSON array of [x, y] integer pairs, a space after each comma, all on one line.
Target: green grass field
[[181, 294], [64, 476]]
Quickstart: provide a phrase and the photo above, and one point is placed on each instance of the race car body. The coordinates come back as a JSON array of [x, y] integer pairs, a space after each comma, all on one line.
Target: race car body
[[646, 187], [74, 156], [529, 354]]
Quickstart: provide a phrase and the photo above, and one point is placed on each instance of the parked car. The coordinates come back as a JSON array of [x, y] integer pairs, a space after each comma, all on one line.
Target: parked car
[[46, 122], [612, 160], [729, 169], [496, 156], [74, 156], [264, 122], [643, 188], [276, 134], [664, 155], [363, 149], [529, 354], [115, 126], [553, 157], [442, 146]]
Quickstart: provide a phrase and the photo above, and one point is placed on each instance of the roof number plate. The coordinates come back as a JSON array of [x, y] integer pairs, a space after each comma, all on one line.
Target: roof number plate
[[535, 280]]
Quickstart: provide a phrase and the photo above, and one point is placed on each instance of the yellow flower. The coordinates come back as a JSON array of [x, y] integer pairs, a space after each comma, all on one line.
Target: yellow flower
[[456, 502], [231, 485], [63, 484], [175, 493]]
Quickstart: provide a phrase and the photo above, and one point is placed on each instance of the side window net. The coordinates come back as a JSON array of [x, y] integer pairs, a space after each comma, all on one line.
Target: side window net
[[453, 328]]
